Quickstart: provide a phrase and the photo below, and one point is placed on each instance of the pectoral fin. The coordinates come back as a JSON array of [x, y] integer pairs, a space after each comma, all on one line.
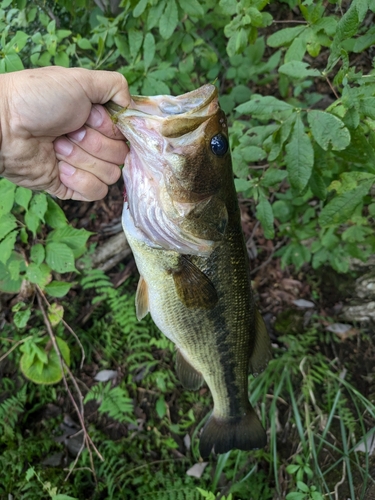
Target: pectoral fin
[[262, 346], [193, 287], [141, 299], [189, 377]]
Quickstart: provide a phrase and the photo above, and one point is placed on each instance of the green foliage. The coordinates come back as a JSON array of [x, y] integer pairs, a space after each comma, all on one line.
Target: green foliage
[[114, 401]]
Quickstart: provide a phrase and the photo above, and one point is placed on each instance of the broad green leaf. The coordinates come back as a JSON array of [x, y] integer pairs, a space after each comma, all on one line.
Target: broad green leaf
[[10, 280], [253, 153], [55, 313], [135, 38], [367, 106], [7, 246], [58, 288], [317, 185], [148, 49], [299, 156], [140, 8], [60, 257], [38, 205], [17, 43], [160, 407], [75, 238], [263, 106], [296, 50], [298, 70], [32, 221], [154, 14], [7, 223], [152, 86], [191, 8], [342, 207], [22, 317], [45, 373], [282, 210], [265, 215], [54, 216], [38, 274], [168, 20], [328, 130], [61, 496], [62, 59], [364, 42], [7, 195], [23, 196], [37, 253], [285, 36], [273, 176]]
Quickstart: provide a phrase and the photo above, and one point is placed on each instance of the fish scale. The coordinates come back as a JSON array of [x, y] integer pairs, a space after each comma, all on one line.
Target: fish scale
[[191, 255]]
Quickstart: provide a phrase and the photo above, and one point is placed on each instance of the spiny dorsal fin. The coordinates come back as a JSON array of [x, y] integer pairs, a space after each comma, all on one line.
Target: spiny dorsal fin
[[193, 287], [262, 346], [189, 377], [141, 299]]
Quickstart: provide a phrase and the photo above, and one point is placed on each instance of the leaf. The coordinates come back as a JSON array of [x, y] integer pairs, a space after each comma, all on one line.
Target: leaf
[[38, 205], [135, 38], [192, 8], [160, 407], [37, 253], [168, 20], [148, 49], [23, 196], [55, 313], [32, 221], [38, 274], [54, 215], [7, 195], [328, 130], [7, 246], [10, 280], [285, 36], [140, 8], [265, 215], [367, 107], [17, 43], [298, 70], [75, 238], [57, 288], [299, 157], [21, 318], [263, 106], [45, 373], [62, 59], [60, 257], [7, 223], [342, 207]]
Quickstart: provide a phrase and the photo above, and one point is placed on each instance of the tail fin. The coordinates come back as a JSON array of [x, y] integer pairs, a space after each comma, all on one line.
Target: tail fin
[[224, 434]]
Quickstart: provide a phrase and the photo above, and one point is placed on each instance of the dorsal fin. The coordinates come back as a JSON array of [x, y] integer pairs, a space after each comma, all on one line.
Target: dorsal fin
[[262, 346], [189, 377], [193, 287], [141, 299]]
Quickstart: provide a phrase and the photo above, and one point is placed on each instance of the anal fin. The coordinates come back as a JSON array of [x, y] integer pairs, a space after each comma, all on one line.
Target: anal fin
[[262, 346], [189, 377], [193, 287], [141, 299]]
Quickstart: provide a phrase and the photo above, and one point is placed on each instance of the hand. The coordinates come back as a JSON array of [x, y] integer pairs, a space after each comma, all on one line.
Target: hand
[[55, 136]]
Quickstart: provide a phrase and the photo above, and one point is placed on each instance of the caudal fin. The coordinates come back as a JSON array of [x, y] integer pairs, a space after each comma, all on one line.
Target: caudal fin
[[224, 434]]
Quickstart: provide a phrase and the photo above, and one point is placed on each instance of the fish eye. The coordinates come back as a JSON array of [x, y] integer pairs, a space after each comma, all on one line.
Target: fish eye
[[219, 145]]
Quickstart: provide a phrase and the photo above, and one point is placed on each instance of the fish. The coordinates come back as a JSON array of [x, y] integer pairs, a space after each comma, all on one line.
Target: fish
[[182, 221]]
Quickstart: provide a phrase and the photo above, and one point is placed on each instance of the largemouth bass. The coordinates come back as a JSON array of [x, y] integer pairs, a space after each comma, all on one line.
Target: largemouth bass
[[182, 220]]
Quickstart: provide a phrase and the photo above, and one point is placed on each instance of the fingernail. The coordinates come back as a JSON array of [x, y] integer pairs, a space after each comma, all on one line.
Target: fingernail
[[66, 169], [78, 135], [63, 146], [95, 118]]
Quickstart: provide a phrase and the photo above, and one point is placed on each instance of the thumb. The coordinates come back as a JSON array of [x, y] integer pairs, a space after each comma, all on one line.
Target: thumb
[[103, 86]]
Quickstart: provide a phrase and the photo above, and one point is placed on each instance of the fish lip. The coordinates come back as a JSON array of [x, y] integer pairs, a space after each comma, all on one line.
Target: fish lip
[[157, 106]]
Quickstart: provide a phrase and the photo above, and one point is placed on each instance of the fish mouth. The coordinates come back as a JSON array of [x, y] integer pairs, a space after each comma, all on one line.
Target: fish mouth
[[177, 115]]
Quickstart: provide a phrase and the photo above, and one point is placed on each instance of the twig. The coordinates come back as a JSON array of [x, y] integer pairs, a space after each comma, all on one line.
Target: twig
[[14, 347], [268, 260], [341, 481], [70, 330], [331, 87], [79, 410]]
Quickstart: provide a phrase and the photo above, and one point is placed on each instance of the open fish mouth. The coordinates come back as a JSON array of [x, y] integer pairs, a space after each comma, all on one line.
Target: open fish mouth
[[178, 115]]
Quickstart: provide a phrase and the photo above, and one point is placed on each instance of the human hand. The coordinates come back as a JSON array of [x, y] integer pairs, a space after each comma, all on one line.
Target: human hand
[[55, 136]]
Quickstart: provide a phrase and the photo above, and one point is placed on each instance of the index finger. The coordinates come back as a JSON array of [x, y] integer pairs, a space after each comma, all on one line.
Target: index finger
[[101, 121]]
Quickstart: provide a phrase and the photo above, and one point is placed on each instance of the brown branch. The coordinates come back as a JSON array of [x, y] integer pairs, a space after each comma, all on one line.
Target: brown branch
[[79, 410]]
